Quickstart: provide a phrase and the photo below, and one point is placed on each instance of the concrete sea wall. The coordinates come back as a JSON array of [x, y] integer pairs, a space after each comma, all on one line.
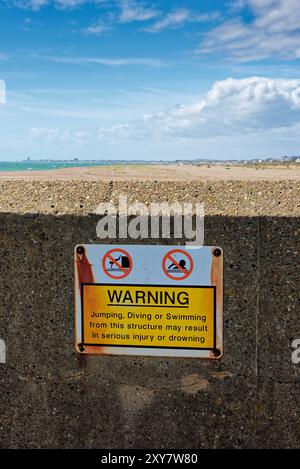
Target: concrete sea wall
[[53, 397]]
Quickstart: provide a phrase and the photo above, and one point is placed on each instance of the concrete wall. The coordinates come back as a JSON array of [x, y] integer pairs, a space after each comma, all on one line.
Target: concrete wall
[[52, 397]]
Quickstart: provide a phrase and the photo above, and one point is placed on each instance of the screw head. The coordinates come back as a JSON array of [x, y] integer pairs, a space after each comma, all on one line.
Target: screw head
[[217, 352], [80, 250], [81, 347], [217, 252]]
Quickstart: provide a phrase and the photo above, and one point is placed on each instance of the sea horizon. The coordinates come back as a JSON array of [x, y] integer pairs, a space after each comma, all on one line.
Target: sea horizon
[[49, 164]]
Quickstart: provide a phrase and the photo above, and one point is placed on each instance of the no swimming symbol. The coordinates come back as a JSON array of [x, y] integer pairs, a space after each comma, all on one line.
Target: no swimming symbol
[[117, 263], [177, 264]]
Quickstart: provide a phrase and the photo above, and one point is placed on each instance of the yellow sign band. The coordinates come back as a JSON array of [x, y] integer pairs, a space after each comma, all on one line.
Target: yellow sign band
[[149, 316]]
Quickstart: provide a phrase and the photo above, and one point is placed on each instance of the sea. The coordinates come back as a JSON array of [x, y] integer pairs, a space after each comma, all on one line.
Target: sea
[[40, 165]]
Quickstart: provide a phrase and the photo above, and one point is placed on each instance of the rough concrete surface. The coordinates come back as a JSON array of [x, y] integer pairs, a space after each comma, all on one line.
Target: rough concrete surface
[[52, 397]]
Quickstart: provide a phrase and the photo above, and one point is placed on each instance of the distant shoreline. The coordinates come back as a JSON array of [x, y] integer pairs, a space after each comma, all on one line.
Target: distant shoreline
[[49, 165]]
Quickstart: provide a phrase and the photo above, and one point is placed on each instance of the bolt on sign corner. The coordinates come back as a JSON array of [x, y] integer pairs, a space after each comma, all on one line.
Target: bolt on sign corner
[[149, 300]]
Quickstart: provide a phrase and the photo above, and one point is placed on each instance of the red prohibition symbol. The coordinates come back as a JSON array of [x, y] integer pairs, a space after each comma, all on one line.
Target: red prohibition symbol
[[117, 263], [177, 269]]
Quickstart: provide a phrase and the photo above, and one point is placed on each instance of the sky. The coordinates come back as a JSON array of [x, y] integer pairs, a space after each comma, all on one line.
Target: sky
[[154, 80]]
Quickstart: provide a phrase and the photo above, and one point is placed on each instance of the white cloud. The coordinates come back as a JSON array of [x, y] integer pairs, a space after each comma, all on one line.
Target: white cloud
[[117, 132], [231, 107], [106, 61], [57, 135], [36, 5], [97, 29], [135, 11], [127, 11], [30, 4], [178, 17], [251, 117], [274, 30]]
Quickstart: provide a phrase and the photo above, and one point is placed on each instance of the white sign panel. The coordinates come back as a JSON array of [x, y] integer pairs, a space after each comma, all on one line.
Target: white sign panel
[[149, 300]]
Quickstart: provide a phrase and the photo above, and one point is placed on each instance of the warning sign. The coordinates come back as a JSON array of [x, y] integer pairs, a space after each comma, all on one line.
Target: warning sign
[[177, 264], [149, 300], [156, 316], [117, 263]]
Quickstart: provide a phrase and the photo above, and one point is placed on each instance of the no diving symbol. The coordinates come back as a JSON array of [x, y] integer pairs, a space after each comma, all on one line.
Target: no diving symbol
[[177, 264], [117, 263]]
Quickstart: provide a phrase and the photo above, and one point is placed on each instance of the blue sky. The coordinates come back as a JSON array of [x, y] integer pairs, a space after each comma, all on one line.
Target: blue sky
[[125, 79]]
